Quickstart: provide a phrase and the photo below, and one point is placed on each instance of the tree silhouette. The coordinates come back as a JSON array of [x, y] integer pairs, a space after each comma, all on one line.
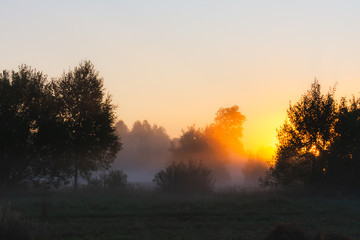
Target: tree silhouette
[[305, 138], [343, 160], [88, 116], [192, 141], [50, 131], [50, 166], [214, 143], [228, 128], [319, 144], [20, 94]]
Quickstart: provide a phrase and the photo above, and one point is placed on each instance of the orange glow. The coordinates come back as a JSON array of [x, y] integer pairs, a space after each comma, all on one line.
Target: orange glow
[[227, 129], [264, 154], [314, 151], [260, 136], [231, 143]]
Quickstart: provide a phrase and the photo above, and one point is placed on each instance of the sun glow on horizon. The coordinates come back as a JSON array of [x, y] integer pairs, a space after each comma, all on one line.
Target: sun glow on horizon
[[174, 63]]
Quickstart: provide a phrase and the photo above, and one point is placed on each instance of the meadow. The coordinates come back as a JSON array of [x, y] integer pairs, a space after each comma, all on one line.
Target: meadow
[[227, 214]]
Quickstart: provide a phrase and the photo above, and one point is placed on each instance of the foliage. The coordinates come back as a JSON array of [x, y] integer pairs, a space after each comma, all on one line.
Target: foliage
[[214, 143], [228, 128], [185, 177], [50, 168], [319, 144], [88, 118], [305, 136], [21, 95], [191, 142], [51, 131], [343, 159]]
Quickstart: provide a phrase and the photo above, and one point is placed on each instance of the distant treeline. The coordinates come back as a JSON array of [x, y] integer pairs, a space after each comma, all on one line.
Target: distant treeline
[[147, 148]]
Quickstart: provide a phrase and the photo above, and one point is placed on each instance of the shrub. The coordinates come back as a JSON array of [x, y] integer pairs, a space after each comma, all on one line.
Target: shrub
[[185, 177]]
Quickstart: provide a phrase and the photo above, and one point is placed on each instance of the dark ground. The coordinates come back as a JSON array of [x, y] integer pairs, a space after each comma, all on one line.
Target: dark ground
[[150, 215]]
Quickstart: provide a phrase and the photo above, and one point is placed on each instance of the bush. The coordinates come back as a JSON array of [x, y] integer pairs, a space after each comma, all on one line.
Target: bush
[[185, 177]]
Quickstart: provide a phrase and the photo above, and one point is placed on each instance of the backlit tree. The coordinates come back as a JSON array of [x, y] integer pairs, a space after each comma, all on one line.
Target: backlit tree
[[304, 139], [88, 116]]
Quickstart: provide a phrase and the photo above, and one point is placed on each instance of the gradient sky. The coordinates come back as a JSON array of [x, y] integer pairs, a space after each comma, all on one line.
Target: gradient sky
[[175, 63]]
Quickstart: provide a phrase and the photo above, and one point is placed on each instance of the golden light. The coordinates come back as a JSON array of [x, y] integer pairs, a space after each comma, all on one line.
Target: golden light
[[314, 151]]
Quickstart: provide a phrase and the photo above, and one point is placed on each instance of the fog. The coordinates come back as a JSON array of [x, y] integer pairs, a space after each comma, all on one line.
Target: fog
[[147, 149], [248, 168]]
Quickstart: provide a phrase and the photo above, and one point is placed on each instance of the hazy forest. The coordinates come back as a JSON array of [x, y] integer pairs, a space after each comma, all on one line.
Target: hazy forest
[[71, 169]]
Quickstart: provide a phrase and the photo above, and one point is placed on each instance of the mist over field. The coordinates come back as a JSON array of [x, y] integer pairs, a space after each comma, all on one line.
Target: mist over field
[[146, 150], [180, 120], [205, 174]]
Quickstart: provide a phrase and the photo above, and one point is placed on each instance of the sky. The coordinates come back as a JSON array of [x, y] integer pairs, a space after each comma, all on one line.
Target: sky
[[175, 63]]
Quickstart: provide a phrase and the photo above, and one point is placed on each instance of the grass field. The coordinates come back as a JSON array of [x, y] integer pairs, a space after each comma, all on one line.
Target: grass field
[[151, 215]]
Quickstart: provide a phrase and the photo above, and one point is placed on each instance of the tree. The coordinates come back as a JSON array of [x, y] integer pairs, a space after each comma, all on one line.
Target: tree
[[50, 131], [319, 144], [50, 167], [185, 177], [213, 144], [88, 118], [20, 105], [343, 163], [304, 139], [228, 128], [192, 142]]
